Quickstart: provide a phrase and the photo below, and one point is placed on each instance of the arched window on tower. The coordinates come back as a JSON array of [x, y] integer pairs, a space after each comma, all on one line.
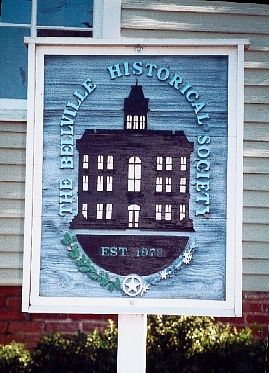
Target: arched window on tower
[[135, 127], [129, 122], [142, 122], [134, 174]]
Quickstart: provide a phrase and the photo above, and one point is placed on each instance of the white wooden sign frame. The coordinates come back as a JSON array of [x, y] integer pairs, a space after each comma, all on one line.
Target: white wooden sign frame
[[32, 301]]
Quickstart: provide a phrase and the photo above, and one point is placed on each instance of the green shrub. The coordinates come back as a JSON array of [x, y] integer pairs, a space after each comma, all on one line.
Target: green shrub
[[14, 358], [174, 345], [58, 353], [93, 353], [199, 344]]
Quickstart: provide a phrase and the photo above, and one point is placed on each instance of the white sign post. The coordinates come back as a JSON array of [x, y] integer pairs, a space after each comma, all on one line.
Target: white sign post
[[132, 340]]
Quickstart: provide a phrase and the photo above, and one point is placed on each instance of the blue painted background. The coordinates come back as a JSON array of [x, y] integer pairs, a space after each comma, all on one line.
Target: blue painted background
[[204, 277]]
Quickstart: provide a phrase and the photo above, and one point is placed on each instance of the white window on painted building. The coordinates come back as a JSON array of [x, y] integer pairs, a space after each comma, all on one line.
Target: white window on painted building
[[133, 216], [129, 122], [168, 212], [109, 181], [168, 184], [135, 125], [159, 163], [85, 183], [182, 212], [100, 162], [159, 184], [85, 164], [168, 163], [134, 174], [110, 161], [142, 122], [99, 211], [182, 185], [84, 211], [158, 212], [100, 183], [183, 163], [109, 211]]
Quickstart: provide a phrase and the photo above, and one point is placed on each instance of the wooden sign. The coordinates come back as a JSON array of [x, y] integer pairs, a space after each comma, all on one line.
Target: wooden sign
[[134, 179]]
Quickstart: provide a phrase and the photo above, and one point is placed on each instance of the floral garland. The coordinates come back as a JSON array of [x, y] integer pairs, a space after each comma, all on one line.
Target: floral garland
[[132, 285]]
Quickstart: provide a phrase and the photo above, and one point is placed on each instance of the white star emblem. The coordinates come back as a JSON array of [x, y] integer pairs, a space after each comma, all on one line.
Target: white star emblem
[[132, 285]]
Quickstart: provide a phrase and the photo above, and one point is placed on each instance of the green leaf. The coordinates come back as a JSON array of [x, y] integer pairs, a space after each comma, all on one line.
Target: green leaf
[[111, 286], [93, 275], [66, 239], [75, 246], [74, 254], [91, 267], [82, 261], [103, 279], [84, 269], [73, 239], [117, 284]]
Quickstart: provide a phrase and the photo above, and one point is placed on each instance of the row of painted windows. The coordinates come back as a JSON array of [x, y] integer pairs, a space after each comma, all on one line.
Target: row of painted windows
[[133, 184], [136, 122], [163, 212], [134, 164], [102, 162]]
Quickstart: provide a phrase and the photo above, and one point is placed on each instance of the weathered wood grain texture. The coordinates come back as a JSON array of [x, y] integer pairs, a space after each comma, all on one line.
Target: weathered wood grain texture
[[187, 19], [169, 110]]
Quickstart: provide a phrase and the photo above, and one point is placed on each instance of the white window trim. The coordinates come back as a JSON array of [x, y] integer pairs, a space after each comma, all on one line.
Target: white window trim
[[183, 163], [159, 184], [168, 163], [13, 110], [168, 184], [85, 183], [99, 211], [109, 211], [84, 210], [182, 212], [183, 185], [159, 163], [100, 183], [109, 183], [110, 162], [158, 212], [106, 19]]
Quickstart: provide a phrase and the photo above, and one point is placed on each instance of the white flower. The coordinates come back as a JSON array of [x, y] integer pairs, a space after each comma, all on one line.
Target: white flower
[[187, 257]]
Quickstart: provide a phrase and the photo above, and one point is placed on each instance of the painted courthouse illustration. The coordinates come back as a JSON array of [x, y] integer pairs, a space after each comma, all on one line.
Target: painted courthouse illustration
[[136, 177]]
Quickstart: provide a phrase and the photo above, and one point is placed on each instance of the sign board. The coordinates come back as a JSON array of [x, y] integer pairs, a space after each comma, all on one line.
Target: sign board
[[134, 179]]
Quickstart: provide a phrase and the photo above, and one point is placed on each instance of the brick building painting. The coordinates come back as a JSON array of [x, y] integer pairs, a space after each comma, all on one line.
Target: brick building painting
[[134, 178]]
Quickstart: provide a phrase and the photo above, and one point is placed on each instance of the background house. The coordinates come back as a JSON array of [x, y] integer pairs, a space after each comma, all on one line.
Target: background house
[[160, 19]]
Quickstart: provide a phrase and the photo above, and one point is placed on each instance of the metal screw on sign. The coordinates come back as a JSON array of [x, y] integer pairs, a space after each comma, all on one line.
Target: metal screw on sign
[[138, 49]]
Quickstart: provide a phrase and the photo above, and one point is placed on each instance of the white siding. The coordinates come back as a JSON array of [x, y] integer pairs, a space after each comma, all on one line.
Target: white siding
[[12, 175], [207, 19]]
